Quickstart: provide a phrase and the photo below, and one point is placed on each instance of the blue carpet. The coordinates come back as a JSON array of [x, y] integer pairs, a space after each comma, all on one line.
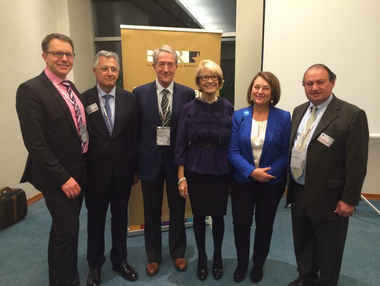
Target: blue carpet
[[23, 253]]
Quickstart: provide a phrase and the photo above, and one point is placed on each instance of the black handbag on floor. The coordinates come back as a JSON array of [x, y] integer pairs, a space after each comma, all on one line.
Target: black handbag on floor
[[12, 206]]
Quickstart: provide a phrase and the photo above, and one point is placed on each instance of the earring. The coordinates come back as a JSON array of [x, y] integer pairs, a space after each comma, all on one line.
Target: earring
[[271, 101]]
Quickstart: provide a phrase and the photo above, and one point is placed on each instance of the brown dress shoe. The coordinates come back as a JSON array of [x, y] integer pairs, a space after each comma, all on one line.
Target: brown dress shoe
[[152, 268], [180, 264]]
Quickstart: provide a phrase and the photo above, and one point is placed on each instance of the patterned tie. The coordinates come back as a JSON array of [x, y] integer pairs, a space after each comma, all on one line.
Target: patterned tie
[[302, 141], [165, 108], [108, 115], [78, 113]]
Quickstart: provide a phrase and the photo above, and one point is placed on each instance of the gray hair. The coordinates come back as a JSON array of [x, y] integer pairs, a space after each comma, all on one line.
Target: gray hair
[[167, 49], [106, 54]]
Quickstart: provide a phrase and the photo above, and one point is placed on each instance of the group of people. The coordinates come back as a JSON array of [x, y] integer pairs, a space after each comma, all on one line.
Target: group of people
[[98, 144]]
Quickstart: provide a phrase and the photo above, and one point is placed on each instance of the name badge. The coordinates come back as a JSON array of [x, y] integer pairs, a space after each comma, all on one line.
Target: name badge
[[83, 133], [163, 136], [92, 108], [326, 139], [298, 158]]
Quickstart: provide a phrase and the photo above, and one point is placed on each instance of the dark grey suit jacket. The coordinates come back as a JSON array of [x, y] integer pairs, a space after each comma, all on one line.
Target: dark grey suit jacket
[[112, 157], [337, 172], [151, 155], [49, 134]]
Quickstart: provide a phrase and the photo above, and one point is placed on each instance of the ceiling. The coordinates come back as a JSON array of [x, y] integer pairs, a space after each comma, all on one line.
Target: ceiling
[[212, 14]]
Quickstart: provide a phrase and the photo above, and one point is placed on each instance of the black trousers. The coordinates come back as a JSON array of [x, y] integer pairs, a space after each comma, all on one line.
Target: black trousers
[[259, 199], [97, 205], [153, 196], [64, 232], [318, 245]]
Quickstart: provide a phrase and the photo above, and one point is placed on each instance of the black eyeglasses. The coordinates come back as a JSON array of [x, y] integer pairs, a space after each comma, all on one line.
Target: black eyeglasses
[[59, 55]]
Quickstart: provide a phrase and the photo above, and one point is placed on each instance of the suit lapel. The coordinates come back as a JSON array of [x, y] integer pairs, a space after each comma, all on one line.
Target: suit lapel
[[153, 104], [332, 111], [271, 127], [246, 125], [54, 92], [119, 105], [296, 120], [177, 102]]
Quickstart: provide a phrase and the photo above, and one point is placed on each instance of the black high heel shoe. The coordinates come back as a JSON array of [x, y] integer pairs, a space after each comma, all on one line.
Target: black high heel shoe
[[202, 270], [217, 270], [256, 274], [239, 275]]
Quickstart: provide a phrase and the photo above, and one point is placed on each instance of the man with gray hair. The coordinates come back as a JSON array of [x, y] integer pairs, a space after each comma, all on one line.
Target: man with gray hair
[[112, 171], [160, 103]]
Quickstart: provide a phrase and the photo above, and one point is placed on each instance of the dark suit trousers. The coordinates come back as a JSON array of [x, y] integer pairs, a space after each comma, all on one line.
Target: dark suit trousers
[[153, 196], [97, 205], [63, 240], [259, 199], [318, 245]]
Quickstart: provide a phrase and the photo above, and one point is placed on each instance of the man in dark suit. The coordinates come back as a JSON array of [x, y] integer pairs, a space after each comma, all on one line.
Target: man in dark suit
[[53, 126], [329, 151], [160, 103], [112, 168]]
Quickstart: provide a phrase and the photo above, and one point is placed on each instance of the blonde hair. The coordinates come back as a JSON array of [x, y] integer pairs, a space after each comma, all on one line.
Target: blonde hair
[[213, 68]]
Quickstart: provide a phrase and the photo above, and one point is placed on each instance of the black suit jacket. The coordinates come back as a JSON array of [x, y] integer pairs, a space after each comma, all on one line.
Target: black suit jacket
[[337, 172], [49, 134], [151, 155], [112, 155]]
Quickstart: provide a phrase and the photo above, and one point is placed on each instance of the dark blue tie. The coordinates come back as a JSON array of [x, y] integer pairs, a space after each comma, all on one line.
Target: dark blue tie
[[107, 115]]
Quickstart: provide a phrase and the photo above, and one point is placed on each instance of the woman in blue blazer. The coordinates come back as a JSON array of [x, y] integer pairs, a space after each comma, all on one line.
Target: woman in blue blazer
[[258, 150]]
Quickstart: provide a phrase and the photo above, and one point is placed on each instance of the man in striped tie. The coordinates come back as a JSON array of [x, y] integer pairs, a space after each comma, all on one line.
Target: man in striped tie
[[54, 129], [160, 103]]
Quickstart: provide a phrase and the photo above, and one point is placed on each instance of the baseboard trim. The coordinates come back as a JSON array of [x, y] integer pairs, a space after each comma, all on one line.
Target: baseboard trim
[[371, 196], [40, 196], [35, 198]]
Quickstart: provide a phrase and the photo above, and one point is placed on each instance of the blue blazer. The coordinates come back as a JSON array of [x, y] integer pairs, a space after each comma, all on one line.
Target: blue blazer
[[275, 149], [151, 155]]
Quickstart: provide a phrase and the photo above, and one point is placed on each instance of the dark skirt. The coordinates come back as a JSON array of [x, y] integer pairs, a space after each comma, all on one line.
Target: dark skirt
[[208, 193]]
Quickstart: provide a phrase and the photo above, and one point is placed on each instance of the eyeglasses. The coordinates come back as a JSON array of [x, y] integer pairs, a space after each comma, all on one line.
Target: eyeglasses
[[59, 55], [264, 88], [105, 69], [310, 84], [205, 78]]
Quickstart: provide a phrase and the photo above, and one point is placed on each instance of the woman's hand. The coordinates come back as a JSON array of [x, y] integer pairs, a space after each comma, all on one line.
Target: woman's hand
[[182, 187], [261, 175]]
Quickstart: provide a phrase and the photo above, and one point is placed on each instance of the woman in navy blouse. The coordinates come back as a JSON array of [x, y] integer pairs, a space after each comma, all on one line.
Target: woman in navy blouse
[[258, 150], [204, 130]]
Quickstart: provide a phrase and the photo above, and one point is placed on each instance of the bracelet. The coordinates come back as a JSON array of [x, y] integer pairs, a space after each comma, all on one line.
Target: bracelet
[[181, 180]]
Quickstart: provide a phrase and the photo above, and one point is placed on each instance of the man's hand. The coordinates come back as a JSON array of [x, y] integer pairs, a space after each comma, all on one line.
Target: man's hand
[[343, 209], [261, 175], [71, 189]]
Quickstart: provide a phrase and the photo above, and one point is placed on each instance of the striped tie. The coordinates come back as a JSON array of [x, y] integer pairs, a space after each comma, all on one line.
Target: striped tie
[[108, 115], [78, 113], [165, 108]]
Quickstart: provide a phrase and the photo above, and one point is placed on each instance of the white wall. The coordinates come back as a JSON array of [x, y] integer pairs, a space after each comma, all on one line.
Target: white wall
[[249, 25], [24, 24], [249, 28]]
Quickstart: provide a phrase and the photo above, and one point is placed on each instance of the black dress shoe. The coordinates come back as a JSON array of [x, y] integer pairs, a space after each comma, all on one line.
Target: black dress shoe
[[93, 278], [239, 275], [217, 270], [202, 271], [126, 271], [256, 274]]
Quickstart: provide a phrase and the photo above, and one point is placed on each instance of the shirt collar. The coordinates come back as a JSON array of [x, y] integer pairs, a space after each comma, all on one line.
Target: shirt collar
[[53, 77], [101, 92], [160, 88], [323, 106]]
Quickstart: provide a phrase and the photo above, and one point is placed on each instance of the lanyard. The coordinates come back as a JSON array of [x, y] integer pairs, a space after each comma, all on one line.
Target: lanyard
[[64, 94]]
